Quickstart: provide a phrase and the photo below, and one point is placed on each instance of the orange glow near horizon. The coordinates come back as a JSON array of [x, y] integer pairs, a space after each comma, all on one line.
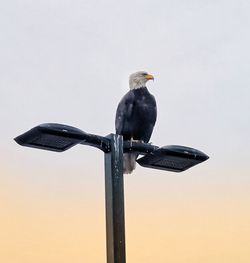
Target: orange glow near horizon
[[156, 231]]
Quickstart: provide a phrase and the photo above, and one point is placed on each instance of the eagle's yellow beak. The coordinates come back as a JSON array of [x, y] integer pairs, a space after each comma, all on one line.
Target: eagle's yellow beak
[[148, 77]]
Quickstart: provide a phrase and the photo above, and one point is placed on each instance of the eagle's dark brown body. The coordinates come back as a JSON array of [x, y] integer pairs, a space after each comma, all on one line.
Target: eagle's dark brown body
[[136, 116]]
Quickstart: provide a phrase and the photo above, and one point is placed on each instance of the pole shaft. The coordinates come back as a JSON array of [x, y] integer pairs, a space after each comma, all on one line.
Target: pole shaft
[[114, 193]]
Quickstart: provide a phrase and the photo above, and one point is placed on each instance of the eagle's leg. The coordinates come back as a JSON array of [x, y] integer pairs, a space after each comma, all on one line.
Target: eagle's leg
[[129, 159], [133, 140]]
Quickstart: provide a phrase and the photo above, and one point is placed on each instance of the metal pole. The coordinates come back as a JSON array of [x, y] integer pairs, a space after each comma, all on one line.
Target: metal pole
[[114, 193]]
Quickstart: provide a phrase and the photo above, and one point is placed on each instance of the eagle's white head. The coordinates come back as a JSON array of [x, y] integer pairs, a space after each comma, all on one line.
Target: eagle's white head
[[138, 79]]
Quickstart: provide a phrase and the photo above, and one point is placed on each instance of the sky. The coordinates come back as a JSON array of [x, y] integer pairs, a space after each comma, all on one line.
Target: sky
[[68, 62]]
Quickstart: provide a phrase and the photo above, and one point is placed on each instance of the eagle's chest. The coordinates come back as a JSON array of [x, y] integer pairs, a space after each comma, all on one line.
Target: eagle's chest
[[143, 112], [141, 108]]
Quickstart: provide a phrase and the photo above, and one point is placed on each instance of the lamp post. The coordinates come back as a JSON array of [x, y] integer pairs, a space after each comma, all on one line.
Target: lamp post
[[59, 138]]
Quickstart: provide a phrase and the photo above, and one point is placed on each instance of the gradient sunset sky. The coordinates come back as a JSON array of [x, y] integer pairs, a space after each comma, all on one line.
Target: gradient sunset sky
[[68, 62]]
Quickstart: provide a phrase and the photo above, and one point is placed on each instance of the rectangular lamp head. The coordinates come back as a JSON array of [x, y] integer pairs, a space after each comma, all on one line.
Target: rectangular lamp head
[[52, 137], [173, 158]]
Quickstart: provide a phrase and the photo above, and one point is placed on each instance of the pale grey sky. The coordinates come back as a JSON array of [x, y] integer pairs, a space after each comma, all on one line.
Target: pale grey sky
[[69, 61]]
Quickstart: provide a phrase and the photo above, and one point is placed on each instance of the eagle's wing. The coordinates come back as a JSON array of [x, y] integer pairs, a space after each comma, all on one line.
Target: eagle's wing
[[123, 127], [123, 114]]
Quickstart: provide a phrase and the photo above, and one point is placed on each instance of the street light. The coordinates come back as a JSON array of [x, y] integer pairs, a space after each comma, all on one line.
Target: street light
[[59, 138]]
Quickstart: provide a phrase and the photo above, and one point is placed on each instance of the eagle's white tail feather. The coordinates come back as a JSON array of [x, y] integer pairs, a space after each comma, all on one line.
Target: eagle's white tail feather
[[129, 162]]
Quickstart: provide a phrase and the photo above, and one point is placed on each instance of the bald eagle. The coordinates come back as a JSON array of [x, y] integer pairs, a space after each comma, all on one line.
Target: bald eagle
[[136, 115]]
